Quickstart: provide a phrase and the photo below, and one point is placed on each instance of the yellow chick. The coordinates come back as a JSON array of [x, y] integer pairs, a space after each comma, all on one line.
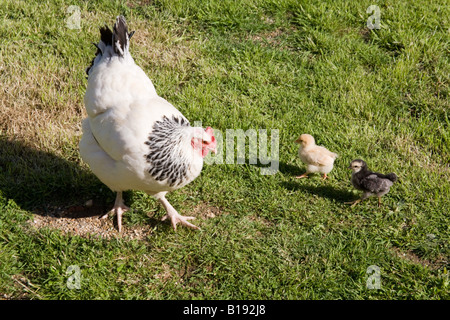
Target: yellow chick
[[317, 158]]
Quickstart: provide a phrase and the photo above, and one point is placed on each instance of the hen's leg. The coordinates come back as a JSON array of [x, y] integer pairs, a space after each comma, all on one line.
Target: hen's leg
[[174, 216], [305, 175], [119, 208], [324, 176]]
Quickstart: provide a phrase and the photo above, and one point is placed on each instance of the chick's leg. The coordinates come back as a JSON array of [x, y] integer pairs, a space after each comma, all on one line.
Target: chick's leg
[[364, 196], [324, 176], [174, 216], [119, 208], [305, 175], [353, 203]]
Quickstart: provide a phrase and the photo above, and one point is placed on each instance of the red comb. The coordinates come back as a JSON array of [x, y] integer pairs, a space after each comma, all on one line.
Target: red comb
[[209, 131]]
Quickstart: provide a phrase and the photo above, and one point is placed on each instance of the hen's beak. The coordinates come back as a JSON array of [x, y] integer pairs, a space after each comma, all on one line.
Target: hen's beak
[[212, 147]]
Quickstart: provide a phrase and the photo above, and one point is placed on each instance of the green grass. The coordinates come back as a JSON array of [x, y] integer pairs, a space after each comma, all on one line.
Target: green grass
[[296, 66]]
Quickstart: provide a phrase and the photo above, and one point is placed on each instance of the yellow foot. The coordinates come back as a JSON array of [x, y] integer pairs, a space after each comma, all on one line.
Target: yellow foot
[[353, 203]]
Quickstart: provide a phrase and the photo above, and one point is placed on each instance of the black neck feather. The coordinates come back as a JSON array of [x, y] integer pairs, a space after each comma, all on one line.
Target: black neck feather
[[164, 162]]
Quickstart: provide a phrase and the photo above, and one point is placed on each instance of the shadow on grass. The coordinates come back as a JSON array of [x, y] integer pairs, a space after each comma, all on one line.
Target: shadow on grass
[[325, 191], [40, 181], [289, 169], [51, 186]]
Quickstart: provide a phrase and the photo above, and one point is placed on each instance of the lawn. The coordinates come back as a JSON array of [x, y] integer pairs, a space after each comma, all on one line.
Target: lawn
[[283, 66]]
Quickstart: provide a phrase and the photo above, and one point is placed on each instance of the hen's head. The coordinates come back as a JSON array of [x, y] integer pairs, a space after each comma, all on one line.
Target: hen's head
[[357, 164], [204, 141], [305, 140]]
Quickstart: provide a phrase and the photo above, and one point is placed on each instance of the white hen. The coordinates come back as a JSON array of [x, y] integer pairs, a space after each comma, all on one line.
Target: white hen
[[132, 138]]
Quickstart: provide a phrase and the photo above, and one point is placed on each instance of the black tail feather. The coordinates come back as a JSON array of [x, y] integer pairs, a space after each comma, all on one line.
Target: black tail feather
[[118, 39], [120, 36], [392, 177], [106, 35]]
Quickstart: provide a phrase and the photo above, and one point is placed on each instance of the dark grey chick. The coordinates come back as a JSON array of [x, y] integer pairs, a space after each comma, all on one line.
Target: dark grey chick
[[371, 183]]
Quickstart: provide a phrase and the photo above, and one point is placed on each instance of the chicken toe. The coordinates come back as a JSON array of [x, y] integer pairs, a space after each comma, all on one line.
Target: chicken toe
[[118, 209], [175, 217]]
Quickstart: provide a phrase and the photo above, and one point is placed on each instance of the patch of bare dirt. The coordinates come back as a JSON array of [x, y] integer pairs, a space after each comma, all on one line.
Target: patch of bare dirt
[[271, 38], [84, 221], [412, 257], [204, 210]]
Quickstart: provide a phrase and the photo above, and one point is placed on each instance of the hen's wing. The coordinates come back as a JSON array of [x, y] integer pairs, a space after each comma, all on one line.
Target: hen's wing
[[124, 133]]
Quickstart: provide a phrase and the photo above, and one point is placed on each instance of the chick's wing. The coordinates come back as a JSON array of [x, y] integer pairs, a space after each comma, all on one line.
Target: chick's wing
[[320, 156], [374, 183]]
